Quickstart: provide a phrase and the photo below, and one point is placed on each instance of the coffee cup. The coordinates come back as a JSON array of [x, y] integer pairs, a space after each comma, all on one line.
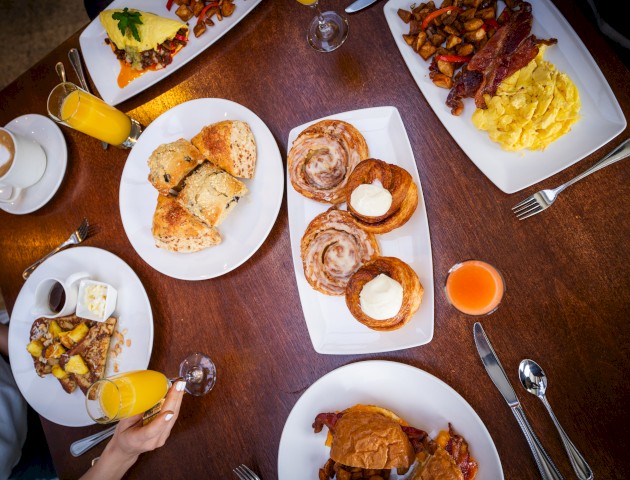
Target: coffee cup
[[55, 297], [22, 164]]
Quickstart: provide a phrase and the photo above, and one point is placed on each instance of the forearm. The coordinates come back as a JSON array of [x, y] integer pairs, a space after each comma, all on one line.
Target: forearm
[[112, 465], [4, 340]]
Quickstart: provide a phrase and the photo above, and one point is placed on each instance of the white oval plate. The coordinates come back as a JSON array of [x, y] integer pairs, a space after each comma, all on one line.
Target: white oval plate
[[244, 230], [417, 396], [133, 311]]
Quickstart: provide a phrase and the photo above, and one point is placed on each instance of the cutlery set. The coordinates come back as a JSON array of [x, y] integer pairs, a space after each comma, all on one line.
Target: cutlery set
[[534, 381]]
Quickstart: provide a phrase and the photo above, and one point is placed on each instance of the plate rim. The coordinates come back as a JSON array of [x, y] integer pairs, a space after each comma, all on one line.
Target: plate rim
[[388, 111], [279, 196], [388, 364], [22, 298]]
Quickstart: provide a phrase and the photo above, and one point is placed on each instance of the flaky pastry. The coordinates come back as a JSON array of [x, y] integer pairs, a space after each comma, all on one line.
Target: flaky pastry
[[394, 179], [397, 270], [322, 158], [334, 247]]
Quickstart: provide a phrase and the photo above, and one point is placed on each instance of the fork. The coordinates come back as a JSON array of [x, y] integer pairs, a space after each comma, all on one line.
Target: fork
[[244, 473], [77, 237], [543, 199]]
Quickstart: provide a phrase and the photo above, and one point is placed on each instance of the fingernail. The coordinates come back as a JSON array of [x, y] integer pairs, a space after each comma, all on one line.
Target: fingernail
[[168, 417], [180, 386]]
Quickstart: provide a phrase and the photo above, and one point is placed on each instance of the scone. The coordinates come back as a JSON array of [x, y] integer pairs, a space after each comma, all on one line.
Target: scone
[[229, 144], [176, 230], [210, 194], [171, 162]]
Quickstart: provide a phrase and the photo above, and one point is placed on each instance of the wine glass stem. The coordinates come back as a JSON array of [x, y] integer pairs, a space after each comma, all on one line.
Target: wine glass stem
[[324, 27]]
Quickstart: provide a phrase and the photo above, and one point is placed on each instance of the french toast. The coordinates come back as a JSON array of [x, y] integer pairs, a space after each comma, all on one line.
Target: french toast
[[74, 350]]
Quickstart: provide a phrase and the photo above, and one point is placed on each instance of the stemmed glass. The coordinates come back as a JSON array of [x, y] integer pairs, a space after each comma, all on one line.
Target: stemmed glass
[[142, 391], [328, 30]]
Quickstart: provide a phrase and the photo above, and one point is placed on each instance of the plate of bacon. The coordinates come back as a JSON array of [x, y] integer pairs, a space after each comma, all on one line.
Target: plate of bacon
[[515, 35]]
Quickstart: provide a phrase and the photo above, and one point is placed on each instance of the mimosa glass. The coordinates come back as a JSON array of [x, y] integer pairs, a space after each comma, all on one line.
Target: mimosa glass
[[328, 30], [130, 393], [474, 287], [71, 106]]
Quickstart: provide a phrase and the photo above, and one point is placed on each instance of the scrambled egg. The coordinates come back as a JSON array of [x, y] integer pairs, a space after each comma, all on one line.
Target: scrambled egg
[[532, 108]]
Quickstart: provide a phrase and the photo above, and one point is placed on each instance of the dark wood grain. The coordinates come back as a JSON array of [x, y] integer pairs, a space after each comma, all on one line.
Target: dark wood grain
[[567, 271]]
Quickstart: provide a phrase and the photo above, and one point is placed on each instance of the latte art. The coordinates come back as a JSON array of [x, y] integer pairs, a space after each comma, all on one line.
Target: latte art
[[7, 152]]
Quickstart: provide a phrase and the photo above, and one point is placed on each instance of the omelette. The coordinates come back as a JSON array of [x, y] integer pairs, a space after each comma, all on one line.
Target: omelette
[[532, 108], [150, 46]]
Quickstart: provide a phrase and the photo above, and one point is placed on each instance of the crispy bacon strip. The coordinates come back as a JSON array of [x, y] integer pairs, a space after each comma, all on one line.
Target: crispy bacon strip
[[457, 448], [509, 50], [328, 419], [419, 439]]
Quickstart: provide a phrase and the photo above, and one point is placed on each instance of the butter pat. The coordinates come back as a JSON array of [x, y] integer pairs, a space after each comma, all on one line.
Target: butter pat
[[381, 297], [96, 300], [371, 199]]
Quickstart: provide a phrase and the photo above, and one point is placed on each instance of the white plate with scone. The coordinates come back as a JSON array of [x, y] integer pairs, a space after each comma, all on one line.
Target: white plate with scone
[[218, 199], [332, 327]]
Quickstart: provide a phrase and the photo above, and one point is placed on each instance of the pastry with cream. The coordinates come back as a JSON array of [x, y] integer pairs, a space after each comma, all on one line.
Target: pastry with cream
[[384, 294], [322, 158], [333, 248], [381, 196]]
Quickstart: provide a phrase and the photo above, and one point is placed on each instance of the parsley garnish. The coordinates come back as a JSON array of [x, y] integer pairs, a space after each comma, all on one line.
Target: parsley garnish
[[128, 20]]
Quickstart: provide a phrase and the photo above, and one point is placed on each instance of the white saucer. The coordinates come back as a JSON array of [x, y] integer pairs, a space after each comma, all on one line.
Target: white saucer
[[49, 136]]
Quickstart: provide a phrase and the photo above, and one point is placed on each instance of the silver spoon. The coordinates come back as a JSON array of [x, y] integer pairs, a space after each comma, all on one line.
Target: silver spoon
[[534, 381], [61, 71]]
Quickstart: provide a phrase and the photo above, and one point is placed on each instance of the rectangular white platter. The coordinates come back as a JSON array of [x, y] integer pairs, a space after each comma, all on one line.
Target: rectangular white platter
[[602, 117], [104, 67], [333, 330]]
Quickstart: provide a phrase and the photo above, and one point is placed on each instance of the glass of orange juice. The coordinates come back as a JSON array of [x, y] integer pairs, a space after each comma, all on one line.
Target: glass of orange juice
[[74, 107], [130, 393], [474, 287]]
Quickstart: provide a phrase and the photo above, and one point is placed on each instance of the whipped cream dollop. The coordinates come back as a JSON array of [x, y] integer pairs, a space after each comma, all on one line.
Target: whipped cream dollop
[[381, 297], [371, 199]]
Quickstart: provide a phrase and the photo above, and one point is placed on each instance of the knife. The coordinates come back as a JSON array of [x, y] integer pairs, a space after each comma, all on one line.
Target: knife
[[359, 5], [548, 470]]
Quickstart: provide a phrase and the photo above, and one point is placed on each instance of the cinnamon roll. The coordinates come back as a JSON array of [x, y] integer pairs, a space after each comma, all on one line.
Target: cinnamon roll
[[322, 158], [384, 294], [333, 248], [381, 196]]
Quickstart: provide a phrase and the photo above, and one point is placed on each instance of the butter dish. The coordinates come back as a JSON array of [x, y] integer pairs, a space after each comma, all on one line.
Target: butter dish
[[96, 300]]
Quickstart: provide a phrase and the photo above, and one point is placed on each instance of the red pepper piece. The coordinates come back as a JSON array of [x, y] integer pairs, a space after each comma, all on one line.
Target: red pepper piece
[[453, 58], [181, 37], [169, 5], [491, 22], [205, 10], [433, 15]]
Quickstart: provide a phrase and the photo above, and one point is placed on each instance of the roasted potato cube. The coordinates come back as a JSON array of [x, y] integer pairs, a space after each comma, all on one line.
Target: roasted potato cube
[[476, 36], [441, 80], [343, 475], [446, 68], [184, 12], [409, 39], [453, 40], [59, 372], [197, 7], [54, 329], [227, 8], [54, 350], [451, 30], [472, 3], [199, 29], [437, 39], [466, 14], [427, 50], [75, 364], [464, 49], [485, 13], [420, 39], [474, 24], [35, 348], [415, 27], [405, 15]]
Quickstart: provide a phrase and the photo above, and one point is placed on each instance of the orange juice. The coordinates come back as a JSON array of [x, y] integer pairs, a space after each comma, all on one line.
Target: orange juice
[[307, 2], [92, 116], [474, 287], [131, 393]]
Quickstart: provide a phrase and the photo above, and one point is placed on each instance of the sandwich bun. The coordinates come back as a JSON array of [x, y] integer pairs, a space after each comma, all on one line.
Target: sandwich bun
[[367, 438]]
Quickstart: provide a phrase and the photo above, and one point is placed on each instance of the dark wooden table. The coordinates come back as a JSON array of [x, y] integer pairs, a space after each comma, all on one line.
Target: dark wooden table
[[567, 270]]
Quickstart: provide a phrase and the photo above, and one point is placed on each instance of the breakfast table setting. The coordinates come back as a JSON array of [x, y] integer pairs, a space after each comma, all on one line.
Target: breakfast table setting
[[269, 307]]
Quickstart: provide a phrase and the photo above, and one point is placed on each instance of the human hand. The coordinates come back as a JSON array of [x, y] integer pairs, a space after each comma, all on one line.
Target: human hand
[[132, 438]]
